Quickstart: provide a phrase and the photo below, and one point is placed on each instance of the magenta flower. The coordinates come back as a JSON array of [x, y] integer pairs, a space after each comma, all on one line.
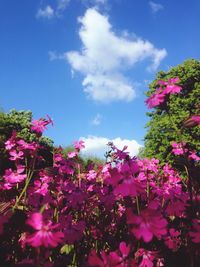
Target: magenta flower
[[171, 87], [10, 144], [39, 126], [178, 148], [148, 224], [129, 187], [196, 233], [27, 146], [173, 240], [45, 234], [78, 145], [166, 88], [113, 259], [41, 188], [91, 175], [194, 156], [16, 155], [73, 231], [146, 257], [72, 154], [196, 118], [155, 100], [13, 177]]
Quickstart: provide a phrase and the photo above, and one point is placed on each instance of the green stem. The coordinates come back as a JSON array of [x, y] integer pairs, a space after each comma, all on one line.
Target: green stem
[[24, 189], [137, 204]]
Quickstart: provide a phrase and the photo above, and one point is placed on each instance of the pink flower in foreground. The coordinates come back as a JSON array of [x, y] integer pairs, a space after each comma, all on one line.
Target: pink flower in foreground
[[79, 145], [39, 126], [113, 259], [146, 225], [13, 177], [147, 257], [16, 155], [27, 146], [45, 234], [171, 87], [166, 88], [129, 187], [155, 100], [72, 154]]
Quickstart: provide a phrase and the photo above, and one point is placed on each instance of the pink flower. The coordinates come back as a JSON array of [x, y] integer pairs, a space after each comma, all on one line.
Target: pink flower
[[129, 187], [73, 231], [196, 233], [16, 155], [148, 224], [72, 154], [41, 188], [155, 100], [196, 118], [44, 235], [171, 87], [166, 88], [79, 145], [178, 148], [113, 259], [9, 144], [39, 126], [13, 177], [194, 156], [27, 146], [147, 257], [91, 175], [173, 240]]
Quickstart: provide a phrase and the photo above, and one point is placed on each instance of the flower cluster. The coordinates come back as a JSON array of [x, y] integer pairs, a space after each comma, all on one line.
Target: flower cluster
[[126, 212], [165, 88]]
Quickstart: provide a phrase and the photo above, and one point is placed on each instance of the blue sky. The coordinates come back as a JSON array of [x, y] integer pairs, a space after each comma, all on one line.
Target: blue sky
[[87, 63]]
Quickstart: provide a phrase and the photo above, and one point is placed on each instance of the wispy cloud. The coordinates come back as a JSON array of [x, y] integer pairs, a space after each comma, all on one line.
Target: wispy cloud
[[97, 146], [97, 120], [155, 7], [53, 55], [105, 56], [96, 3], [46, 12], [50, 12]]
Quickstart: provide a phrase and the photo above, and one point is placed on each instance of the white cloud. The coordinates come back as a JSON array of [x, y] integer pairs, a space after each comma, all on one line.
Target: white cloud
[[95, 2], [97, 146], [155, 7], [62, 4], [105, 56], [97, 120], [47, 12], [50, 12], [55, 56]]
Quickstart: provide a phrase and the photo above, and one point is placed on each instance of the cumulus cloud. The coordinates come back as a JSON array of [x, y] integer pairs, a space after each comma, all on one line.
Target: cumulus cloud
[[97, 120], [105, 56], [97, 146], [155, 7], [46, 12]]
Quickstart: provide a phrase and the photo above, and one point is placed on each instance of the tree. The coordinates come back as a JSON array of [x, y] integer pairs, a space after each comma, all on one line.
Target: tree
[[167, 120]]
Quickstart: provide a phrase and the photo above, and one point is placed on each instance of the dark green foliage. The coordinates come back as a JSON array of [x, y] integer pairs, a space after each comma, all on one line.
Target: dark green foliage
[[19, 121], [167, 121]]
